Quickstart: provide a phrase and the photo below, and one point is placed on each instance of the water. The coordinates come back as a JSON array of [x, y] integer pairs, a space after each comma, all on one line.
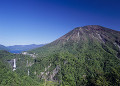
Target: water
[[14, 65], [16, 51]]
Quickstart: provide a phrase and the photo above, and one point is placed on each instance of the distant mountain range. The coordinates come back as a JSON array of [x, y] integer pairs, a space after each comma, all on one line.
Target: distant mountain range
[[2, 47], [20, 48]]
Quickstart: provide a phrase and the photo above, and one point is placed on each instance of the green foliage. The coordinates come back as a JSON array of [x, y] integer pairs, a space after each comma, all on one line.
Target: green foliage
[[10, 78]]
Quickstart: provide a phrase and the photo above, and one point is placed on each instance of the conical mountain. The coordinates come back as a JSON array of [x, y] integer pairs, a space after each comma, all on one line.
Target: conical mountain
[[83, 35], [85, 56], [93, 32]]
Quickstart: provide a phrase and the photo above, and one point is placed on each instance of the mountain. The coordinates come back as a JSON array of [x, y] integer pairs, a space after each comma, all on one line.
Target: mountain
[[85, 56], [20, 48], [2, 47], [81, 36]]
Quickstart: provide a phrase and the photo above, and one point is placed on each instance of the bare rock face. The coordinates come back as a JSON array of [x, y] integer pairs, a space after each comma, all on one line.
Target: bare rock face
[[49, 75], [54, 72]]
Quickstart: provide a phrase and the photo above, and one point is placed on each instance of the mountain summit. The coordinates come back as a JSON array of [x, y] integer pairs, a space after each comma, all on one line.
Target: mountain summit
[[91, 31]]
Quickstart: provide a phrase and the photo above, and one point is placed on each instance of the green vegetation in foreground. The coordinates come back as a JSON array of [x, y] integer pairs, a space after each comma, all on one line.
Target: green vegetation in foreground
[[10, 78]]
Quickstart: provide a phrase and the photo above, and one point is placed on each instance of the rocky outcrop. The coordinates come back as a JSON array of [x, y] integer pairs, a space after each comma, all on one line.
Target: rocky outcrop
[[54, 72], [49, 75]]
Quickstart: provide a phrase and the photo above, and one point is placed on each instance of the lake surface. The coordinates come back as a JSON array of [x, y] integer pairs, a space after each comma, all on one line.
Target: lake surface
[[16, 51]]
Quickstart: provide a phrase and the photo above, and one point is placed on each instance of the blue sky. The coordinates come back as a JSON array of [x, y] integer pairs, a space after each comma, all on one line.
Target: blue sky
[[42, 21]]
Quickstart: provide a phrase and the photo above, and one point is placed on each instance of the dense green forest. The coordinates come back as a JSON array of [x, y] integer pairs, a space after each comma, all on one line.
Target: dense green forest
[[12, 78], [90, 66], [19, 77]]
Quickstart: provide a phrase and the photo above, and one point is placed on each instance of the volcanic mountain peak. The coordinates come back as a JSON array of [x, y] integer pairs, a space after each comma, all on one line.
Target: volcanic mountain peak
[[80, 31], [90, 27], [80, 37], [94, 27], [89, 32]]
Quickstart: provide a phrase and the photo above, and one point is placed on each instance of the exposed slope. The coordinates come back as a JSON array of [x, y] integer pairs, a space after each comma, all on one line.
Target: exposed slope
[[85, 56]]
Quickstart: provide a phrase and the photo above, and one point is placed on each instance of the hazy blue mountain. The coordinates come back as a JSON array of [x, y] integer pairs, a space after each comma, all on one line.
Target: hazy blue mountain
[[20, 48], [2, 47]]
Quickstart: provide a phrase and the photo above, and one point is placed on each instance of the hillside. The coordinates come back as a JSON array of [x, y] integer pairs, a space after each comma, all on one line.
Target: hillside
[[19, 76], [84, 56], [12, 78]]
